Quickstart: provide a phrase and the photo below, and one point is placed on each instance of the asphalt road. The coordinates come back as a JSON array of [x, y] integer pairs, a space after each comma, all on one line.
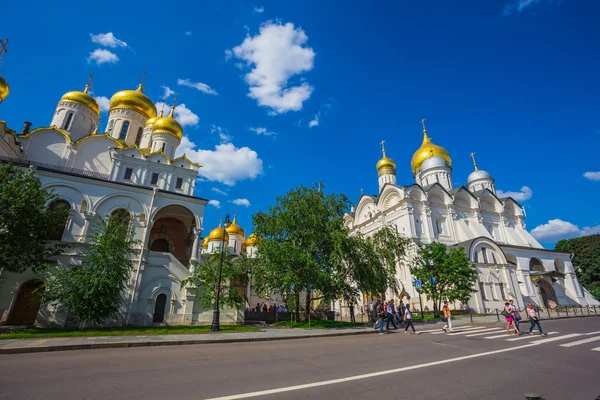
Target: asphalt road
[[428, 366]]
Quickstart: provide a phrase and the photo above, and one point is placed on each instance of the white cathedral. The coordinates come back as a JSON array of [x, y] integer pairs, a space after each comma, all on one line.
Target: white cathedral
[[510, 262], [131, 168]]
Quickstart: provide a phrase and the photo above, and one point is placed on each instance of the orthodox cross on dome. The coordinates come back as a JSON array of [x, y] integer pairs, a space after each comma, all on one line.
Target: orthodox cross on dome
[[3, 48], [423, 123], [89, 84], [361, 191], [474, 163], [175, 100], [383, 147], [143, 79]]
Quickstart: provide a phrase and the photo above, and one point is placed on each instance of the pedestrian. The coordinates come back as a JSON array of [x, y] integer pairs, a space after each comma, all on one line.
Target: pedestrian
[[390, 315], [510, 319], [534, 320], [409, 321], [448, 317], [516, 314], [401, 311], [352, 319], [380, 314]]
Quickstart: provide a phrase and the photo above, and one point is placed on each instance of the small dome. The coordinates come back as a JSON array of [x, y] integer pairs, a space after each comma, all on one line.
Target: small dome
[[433, 162], [205, 243], [151, 121], [4, 89], [82, 98], [477, 175], [168, 125], [133, 100], [427, 150], [252, 240], [385, 165], [234, 228], [219, 234]]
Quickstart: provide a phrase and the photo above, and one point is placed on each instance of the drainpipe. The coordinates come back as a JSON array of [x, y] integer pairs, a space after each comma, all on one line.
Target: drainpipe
[[139, 267]]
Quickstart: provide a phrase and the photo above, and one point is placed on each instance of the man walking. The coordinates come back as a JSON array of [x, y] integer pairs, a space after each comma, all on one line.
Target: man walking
[[352, 319], [390, 315], [448, 316], [380, 314]]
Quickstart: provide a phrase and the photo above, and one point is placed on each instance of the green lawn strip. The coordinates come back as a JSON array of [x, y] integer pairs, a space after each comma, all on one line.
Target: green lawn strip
[[35, 333], [316, 324]]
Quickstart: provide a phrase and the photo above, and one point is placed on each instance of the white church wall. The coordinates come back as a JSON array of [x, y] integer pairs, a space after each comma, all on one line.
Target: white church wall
[[93, 154], [47, 146]]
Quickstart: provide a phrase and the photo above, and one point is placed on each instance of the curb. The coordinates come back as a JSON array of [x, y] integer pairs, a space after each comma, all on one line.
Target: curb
[[150, 343]]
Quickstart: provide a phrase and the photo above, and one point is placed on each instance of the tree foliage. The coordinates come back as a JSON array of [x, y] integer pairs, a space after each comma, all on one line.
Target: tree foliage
[[234, 280], [26, 223], [454, 274], [95, 290], [305, 249], [586, 260]]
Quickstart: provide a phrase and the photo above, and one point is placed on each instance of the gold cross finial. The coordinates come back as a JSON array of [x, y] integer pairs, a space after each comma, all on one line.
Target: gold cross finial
[[143, 79], [474, 163], [361, 191], [3, 48], [175, 99], [383, 147], [89, 84], [423, 123]]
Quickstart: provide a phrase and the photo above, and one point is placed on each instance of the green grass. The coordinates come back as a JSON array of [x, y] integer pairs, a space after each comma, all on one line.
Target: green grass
[[316, 324], [42, 333]]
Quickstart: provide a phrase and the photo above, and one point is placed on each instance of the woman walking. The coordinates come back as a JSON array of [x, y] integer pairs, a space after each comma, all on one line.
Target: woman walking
[[510, 318], [534, 320], [409, 321]]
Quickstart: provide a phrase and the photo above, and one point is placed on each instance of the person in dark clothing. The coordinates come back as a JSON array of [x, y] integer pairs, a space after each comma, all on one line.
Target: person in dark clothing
[[352, 319]]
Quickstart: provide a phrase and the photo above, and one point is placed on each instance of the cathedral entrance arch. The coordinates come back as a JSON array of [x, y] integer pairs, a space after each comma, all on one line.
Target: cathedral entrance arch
[[159, 308], [548, 295], [27, 304], [172, 231]]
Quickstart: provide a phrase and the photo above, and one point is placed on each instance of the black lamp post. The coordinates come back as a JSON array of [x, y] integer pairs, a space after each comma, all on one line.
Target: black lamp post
[[215, 326], [433, 282]]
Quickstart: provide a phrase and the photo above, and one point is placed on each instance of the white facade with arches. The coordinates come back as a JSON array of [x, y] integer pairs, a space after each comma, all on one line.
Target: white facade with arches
[[97, 174]]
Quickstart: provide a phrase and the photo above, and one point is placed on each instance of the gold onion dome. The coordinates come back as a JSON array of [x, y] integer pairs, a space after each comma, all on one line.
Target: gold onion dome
[[4, 89], [252, 240], [205, 243], [152, 120], [386, 165], [235, 229], [133, 100], [168, 125], [219, 234], [82, 98], [427, 150]]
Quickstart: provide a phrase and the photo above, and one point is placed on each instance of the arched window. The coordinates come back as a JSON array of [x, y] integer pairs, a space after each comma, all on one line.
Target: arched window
[[163, 147], [138, 137], [535, 265], [161, 245], [119, 216], [68, 121], [124, 130], [159, 308], [111, 126], [59, 213]]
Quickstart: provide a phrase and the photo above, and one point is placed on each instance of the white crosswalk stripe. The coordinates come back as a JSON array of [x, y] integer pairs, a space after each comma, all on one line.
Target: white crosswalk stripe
[[592, 333], [583, 341], [596, 349], [553, 339], [528, 336], [485, 333], [473, 328], [497, 336], [465, 332]]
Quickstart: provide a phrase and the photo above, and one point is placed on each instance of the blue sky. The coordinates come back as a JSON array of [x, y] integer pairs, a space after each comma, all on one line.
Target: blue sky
[[274, 94]]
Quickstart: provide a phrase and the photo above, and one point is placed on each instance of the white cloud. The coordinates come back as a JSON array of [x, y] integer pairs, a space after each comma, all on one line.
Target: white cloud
[[592, 176], [217, 190], [168, 92], [263, 131], [241, 202], [259, 10], [214, 203], [226, 164], [228, 54], [188, 33], [315, 121], [557, 229], [518, 6], [101, 56], [103, 102], [524, 194], [203, 87], [108, 40], [183, 115], [276, 54], [224, 136]]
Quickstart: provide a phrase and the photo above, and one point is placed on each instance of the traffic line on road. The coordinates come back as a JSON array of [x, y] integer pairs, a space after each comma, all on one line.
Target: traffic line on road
[[553, 339], [592, 333], [485, 333], [371, 375], [481, 330], [596, 349], [526, 336], [577, 343], [497, 336], [473, 328]]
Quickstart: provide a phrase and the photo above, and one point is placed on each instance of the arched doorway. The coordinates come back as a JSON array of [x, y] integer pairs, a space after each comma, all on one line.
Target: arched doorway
[[160, 245], [548, 294], [60, 209], [159, 308], [27, 304]]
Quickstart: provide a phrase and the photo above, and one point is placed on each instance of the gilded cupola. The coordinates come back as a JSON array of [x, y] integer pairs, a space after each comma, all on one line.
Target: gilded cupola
[[4, 89], [205, 243], [168, 125], [83, 98], [152, 120], [235, 229], [252, 240], [133, 100], [385, 166], [218, 234], [427, 150]]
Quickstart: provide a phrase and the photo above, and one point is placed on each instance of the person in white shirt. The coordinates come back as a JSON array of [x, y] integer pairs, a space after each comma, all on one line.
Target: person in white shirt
[[409, 322], [534, 320]]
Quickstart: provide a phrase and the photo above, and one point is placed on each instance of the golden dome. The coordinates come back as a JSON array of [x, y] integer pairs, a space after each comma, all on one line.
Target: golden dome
[[219, 234], [205, 243], [252, 240], [133, 100], [235, 229], [385, 165], [151, 121], [4, 89], [427, 150], [82, 98], [168, 125]]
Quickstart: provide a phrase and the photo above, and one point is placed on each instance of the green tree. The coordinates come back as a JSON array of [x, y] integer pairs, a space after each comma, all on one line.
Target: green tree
[[26, 223], [586, 260], [95, 290], [454, 274], [234, 280]]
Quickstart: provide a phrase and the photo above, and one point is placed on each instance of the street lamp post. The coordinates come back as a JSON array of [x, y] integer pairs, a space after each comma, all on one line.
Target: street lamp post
[[215, 325], [432, 281]]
